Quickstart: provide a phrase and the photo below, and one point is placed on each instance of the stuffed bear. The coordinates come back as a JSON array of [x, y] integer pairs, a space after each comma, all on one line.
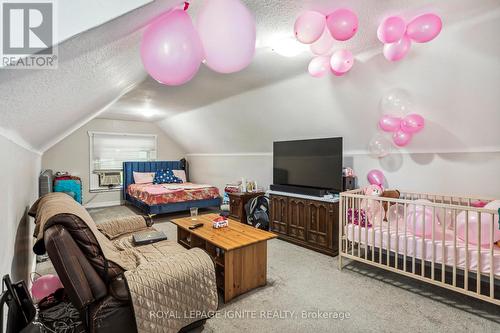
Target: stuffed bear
[[394, 194]]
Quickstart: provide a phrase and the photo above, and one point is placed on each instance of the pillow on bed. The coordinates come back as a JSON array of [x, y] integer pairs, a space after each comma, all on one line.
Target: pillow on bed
[[143, 177], [165, 176], [181, 174]]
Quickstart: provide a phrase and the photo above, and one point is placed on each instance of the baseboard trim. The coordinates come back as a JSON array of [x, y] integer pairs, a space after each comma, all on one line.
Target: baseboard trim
[[103, 204]]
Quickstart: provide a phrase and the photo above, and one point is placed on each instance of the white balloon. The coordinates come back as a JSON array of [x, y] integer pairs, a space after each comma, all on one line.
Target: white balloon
[[379, 146], [493, 205], [397, 102]]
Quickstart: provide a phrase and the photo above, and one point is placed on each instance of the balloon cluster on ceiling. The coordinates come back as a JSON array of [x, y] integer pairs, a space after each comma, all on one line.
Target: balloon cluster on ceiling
[[172, 48], [398, 120], [320, 31], [397, 36]]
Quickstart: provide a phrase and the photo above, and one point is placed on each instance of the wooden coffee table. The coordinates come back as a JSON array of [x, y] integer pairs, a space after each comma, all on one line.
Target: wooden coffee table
[[239, 252]]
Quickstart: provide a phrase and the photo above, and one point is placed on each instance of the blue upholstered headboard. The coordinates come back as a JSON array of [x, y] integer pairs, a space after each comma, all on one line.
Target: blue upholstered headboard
[[151, 166]]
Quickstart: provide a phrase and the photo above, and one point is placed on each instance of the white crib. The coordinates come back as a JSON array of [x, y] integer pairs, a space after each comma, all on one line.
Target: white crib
[[438, 256]]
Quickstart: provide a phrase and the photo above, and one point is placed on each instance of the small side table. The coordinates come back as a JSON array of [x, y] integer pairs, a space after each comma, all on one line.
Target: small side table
[[237, 202]]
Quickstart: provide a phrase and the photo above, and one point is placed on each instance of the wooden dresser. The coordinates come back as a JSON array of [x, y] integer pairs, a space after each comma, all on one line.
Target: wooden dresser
[[306, 221], [237, 202]]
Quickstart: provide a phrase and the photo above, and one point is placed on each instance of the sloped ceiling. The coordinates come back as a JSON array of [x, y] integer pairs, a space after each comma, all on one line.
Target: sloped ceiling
[[454, 83], [453, 80], [95, 67]]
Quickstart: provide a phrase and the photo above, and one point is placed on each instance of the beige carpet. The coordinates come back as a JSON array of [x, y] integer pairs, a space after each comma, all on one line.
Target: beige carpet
[[303, 282]]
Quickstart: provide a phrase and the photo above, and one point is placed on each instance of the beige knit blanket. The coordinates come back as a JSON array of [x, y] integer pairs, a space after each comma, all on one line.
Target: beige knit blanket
[[170, 286]]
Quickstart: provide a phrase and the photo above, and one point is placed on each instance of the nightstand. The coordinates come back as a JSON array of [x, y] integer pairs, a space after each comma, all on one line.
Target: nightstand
[[237, 202]]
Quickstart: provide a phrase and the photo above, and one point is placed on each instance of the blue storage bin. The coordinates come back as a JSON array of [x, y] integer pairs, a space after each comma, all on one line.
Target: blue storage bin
[[72, 187]]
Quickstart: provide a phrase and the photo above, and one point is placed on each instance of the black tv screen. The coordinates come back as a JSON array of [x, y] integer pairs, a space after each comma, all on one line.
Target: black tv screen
[[309, 163]]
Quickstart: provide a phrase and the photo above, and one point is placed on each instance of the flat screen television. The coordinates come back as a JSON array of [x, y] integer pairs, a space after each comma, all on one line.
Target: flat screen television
[[313, 163]]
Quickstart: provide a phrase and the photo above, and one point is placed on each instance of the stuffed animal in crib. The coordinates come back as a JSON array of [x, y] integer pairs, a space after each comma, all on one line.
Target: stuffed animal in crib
[[373, 190], [373, 208], [393, 194]]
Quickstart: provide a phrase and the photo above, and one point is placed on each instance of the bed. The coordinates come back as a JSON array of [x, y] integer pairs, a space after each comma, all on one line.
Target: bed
[[439, 256], [166, 198]]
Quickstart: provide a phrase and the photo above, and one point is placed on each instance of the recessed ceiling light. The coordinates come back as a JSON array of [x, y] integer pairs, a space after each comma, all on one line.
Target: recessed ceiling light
[[288, 47], [148, 113]]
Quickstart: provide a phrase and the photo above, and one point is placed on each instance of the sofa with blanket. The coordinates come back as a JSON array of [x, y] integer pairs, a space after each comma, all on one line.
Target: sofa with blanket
[[117, 287]]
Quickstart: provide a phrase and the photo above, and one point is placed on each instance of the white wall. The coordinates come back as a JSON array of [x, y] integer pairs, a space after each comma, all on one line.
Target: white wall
[[72, 153], [454, 81], [19, 178], [453, 173], [219, 170]]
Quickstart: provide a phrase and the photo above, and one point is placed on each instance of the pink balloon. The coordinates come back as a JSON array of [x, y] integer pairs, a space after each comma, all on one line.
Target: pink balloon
[[420, 223], [412, 123], [319, 66], [342, 23], [171, 50], [391, 29], [424, 28], [389, 123], [341, 61], [376, 177], [45, 286], [309, 26], [395, 214], [227, 32], [324, 44], [337, 73], [373, 209], [486, 220], [420, 207], [401, 138], [398, 50]]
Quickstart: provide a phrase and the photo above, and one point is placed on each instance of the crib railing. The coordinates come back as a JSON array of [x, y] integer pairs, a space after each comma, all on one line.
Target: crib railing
[[440, 239]]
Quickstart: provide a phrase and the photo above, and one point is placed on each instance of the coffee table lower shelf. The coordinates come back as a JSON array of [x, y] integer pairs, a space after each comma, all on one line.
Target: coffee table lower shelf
[[238, 270]]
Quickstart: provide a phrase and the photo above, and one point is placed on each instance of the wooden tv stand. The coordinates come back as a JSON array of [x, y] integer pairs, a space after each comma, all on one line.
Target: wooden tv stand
[[307, 221]]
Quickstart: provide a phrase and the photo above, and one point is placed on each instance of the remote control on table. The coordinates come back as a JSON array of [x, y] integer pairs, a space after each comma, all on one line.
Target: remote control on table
[[196, 226]]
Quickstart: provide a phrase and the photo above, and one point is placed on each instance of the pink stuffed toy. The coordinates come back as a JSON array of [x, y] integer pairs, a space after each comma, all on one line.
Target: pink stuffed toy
[[373, 190], [373, 208]]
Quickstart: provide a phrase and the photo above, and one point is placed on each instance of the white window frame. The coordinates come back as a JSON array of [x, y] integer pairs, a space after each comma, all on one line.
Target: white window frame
[[94, 189]]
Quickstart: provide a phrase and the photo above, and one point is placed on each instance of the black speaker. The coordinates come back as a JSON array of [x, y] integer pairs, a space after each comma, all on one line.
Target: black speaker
[[348, 183], [316, 192]]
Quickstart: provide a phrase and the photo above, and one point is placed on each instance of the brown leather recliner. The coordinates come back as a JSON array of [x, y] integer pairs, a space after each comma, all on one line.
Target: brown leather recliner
[[94, 285]]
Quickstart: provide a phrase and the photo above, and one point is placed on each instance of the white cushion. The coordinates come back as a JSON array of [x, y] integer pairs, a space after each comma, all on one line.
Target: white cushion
[[181, 174], [143, 177]]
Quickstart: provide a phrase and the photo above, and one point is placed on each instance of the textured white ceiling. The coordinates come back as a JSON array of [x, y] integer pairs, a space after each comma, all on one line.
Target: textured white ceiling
[[453, 79], [271, 96], [75, 17], [37, 107], [275, 21]]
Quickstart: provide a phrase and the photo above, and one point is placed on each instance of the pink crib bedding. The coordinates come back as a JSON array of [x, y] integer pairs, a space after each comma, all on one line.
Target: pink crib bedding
[[389, 237]]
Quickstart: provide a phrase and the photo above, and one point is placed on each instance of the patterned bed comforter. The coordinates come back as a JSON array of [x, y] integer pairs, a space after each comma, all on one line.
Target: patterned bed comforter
[[159, 194]]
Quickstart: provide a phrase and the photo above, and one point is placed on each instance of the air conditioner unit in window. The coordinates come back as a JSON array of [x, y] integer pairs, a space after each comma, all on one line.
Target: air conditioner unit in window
[[109, 178]]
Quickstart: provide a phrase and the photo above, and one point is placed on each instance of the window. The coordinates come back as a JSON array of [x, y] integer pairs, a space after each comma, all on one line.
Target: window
[[108, 151]]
